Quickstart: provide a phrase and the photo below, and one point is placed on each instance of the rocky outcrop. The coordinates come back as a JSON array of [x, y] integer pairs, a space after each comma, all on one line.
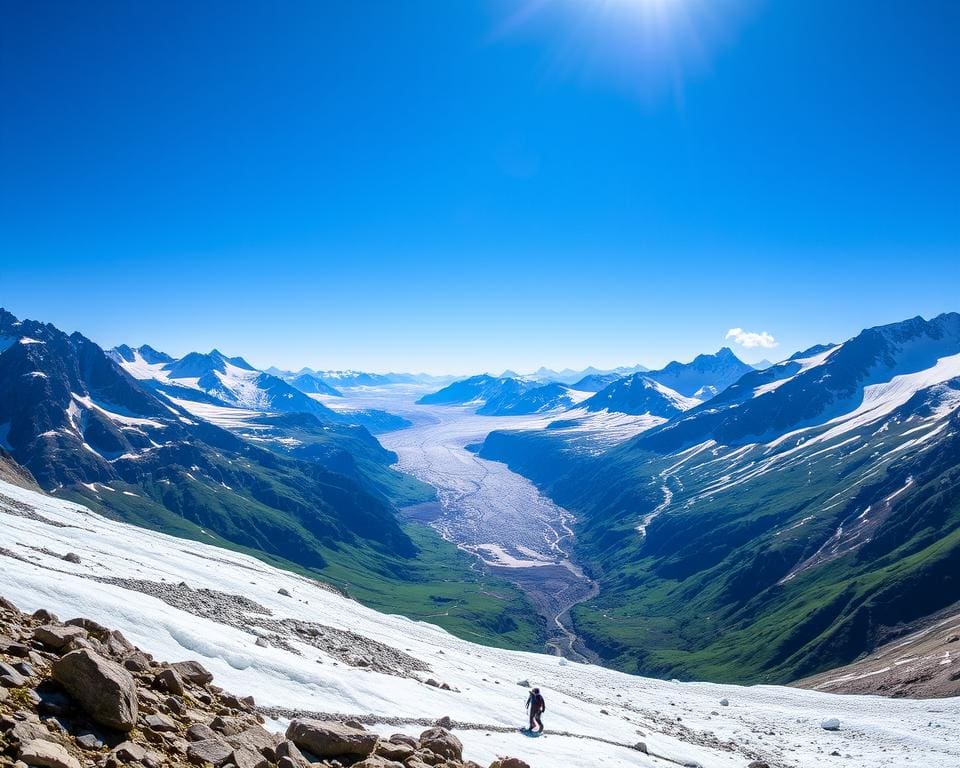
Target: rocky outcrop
[[76, 694]]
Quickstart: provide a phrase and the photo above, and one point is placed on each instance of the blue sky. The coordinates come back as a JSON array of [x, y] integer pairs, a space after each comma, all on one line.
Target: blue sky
[[478, 185]]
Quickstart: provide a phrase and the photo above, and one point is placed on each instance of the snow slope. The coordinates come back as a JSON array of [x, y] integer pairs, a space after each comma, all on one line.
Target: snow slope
[[601, 712]]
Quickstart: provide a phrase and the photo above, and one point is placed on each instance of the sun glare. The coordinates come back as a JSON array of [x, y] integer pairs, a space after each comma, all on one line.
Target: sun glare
[[646, 46]]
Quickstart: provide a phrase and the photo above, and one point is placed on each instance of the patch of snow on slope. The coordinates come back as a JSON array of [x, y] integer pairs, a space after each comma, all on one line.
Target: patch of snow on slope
[[879, 400], [118, 418], [593, 713], [241, 386], [141, 369], [792, 368], [578, 396], [221, 415], [603, 428], [681, 402]]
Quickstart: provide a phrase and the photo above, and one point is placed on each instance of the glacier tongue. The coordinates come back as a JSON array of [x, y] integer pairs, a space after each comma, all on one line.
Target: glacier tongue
[[594, 715]]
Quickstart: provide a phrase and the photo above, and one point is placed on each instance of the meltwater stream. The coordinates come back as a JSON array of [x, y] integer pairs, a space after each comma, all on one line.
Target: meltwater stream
[[484, 507]]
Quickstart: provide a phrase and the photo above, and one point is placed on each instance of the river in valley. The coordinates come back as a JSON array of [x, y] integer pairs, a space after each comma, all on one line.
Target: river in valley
[[483, 507]]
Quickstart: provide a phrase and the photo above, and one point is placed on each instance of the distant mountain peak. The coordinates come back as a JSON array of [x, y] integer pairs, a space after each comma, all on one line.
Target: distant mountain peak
[[706, 374], [127, 354]]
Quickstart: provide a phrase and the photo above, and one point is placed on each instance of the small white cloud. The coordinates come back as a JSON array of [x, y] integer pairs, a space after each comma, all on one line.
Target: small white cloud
[[750, 339]]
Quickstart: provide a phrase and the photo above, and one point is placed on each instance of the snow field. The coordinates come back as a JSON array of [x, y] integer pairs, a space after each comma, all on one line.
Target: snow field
[[875, 731]]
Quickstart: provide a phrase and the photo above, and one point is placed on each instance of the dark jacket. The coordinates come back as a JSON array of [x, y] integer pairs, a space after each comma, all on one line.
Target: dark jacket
[[535, 703]]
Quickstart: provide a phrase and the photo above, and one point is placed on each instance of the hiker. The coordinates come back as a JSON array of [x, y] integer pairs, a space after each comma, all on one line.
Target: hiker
[[537, 707]]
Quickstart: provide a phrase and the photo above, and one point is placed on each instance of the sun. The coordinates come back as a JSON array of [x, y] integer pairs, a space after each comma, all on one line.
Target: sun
[[649, 47]]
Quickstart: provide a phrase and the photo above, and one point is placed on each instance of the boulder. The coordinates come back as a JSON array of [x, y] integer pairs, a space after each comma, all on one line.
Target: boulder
[[830, 724], [117, 645], [129, 752], [161, 723], [213, 751], [509, 762], [25, 731], [377, 761], [137, 662], [176, 705], [441, 742], [402, 738], [89, 741], [227, 726], [192, 672], [169, 680], [256, 739], [248, 758], [331, 739], [391, 751], [104, 690], [200, 732], [10, 678], [48, 755], [424, 755], [56, 637], [289, 754]]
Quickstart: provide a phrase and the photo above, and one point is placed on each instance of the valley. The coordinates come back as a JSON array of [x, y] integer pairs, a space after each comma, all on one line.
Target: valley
[[482, 506], [794, 523]]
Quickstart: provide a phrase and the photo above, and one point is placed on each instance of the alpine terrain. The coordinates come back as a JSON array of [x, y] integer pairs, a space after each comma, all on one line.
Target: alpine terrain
[[804, 516], [209, 449]]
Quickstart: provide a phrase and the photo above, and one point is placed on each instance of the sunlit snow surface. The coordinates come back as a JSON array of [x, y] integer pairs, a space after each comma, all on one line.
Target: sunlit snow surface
[[781, 725]]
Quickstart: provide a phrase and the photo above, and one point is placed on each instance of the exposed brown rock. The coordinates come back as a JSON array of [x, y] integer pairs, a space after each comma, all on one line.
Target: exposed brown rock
[[73, 678], [441, 742], [56, 637], [213, 751], [192, 672], [331, 739], [509, 762], [104, 689], [47, 755]]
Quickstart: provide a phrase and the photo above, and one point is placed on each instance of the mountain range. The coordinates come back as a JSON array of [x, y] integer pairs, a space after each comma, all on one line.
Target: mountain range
[[795, 521], [662, 393], [504, 396], [348, 378], [800, 517], [165, 444], [198, 380], [570, 376]]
